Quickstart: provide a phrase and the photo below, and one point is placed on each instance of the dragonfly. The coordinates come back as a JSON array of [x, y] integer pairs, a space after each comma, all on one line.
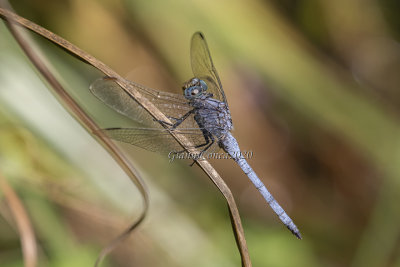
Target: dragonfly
[[201, 114]]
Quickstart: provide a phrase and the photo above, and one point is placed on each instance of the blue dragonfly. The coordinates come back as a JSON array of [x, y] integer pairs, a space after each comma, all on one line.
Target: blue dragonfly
[[201, 114]]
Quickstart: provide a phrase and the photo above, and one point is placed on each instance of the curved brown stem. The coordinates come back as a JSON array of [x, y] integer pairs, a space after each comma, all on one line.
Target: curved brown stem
[[90, 125]]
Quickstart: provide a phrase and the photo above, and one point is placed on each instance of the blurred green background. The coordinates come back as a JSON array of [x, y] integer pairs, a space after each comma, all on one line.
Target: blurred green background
[[313, 88]]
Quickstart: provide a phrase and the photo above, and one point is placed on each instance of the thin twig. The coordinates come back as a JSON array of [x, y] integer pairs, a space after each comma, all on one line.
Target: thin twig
[[27, 235], [157, 114]]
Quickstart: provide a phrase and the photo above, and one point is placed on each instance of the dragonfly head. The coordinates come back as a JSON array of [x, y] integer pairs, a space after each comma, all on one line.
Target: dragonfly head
[[194, 88]]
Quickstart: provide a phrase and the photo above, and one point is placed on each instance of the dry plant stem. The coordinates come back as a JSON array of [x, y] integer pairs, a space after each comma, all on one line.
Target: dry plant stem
[[27, 235], [157, 114], [88, 123]]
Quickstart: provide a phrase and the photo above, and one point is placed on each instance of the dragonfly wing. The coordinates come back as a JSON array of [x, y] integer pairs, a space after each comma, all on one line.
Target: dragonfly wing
[[203, 66], [109, 92], [156, 140]]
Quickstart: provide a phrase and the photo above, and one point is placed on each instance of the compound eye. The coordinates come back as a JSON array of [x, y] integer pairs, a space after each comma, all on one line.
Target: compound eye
[[203, 85]]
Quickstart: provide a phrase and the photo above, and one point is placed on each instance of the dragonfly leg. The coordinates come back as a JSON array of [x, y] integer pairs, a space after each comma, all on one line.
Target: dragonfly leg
[[164, 123], [173, 118], [167, 123], [209, 142], [178, 121]]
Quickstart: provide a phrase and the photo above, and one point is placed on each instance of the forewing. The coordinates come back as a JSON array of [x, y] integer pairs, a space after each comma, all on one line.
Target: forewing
[[109, 92], [203, 66]]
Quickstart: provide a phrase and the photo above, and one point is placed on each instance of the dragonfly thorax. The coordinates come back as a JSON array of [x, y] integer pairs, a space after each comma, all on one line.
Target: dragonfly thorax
[[194, 88]]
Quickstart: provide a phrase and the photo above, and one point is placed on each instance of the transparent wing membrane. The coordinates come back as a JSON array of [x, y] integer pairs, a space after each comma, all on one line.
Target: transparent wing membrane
[[156, 140], [203, 66], [109, 92]]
